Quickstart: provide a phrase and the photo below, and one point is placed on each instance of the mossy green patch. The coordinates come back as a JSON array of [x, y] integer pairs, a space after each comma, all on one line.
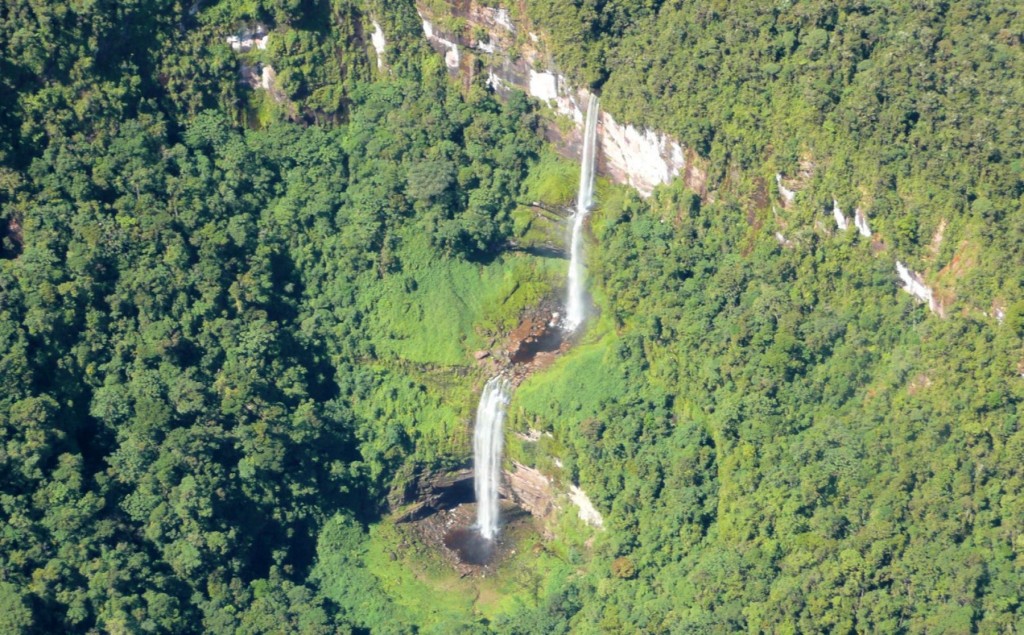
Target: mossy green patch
[[420, 412], [437, 311], [536, 227], [573, 389], [419, 582], [553, 180]]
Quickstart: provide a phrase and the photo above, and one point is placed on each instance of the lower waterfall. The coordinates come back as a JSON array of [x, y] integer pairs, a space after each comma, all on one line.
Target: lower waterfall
[[488, 441]]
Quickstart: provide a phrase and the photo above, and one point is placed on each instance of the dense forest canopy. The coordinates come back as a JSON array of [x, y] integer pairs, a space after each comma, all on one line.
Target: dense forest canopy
[[241, 288], [911, 111]]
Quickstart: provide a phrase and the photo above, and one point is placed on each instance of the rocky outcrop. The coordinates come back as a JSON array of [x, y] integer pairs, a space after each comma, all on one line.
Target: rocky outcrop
[[379, 43], [247, 38], [532, 491], [914, 284], [911, 282], [842, 224], [431, 492], [860, 221], [529, 489], [644, 158], [790, 186], [638, 157], [538, 332], [788, 195], [268, 78], [587, 512], [255, 74], [450, 533], [448, 48], [532, 345]]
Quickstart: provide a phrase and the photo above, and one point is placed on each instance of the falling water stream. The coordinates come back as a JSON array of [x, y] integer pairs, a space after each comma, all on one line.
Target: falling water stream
[[488, 433], [575, 304], [488, 438]]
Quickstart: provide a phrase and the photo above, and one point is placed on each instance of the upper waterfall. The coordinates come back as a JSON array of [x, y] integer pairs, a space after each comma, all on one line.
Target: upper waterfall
[[488, 439], [574, 305]]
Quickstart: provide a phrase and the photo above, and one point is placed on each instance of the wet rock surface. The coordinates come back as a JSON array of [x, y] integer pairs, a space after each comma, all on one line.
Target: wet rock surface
[[451, 533], [441, 510], [535, 343], [539, 332]]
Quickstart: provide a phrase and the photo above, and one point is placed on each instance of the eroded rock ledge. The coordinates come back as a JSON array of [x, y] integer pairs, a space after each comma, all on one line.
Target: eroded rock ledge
[[534, 344], [526, 487]]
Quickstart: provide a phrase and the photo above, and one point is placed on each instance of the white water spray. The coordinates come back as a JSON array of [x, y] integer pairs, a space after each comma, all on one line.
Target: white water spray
[[488, 439], [574, 305]]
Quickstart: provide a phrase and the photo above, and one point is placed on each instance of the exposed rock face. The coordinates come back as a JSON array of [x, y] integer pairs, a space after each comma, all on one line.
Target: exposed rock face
[[841, 223], [264, 77], [910, 281], [998, 311], [441, 510], [448, 532], [788, 195], [449, 48], [914, 284], [257, 75], [431, 493], [785, 242], [534, 344], [860, 220], [249, 38], [268, 78], [530, 489], [250, 75], [379, 44], [539, 332], [642, 159], [790, 186], [587, 512]]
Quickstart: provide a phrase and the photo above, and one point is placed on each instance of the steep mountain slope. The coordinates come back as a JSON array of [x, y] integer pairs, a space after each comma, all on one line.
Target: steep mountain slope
[[251, 252]]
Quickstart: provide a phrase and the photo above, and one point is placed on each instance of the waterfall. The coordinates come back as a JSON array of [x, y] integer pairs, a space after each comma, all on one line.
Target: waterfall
[[574, 306], [488, 439]]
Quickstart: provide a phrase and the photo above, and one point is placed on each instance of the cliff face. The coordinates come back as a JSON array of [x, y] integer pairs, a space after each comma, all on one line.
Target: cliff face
[[532, 491], [475, 39]]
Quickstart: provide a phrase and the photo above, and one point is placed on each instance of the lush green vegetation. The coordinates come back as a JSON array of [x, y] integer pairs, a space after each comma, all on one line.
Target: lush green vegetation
[[223, 344], [910, 111], [234, 320], [782, 441]]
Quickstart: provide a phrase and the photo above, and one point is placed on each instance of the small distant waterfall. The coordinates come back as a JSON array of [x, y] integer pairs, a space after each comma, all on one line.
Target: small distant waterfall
[[574, 305], [488, 439]]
